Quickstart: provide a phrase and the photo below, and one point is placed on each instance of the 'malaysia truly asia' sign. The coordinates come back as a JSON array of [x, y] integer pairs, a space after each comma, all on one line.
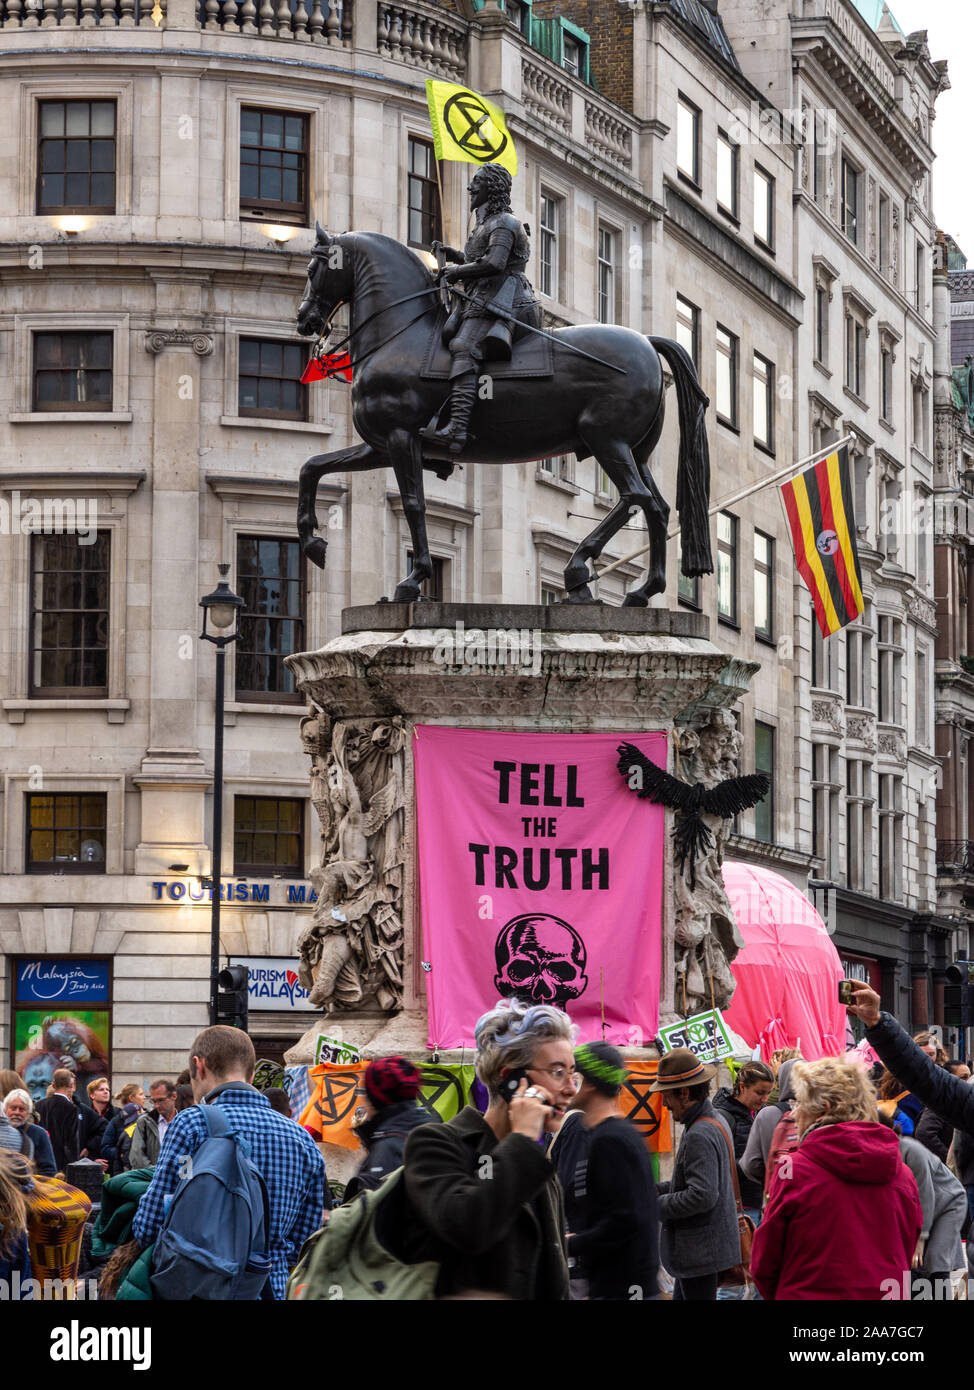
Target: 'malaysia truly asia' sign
[[541, 876]]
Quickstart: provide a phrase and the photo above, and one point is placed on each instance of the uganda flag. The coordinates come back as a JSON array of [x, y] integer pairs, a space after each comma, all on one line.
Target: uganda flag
[[823, 532], [468, 127]]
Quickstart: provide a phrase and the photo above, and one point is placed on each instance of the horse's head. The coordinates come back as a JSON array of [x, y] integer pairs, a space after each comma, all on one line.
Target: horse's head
[[330, 281]]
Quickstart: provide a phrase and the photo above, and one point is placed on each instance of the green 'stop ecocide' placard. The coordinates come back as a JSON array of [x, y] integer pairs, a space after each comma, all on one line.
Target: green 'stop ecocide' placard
[[333, 1050], [704, 1034]]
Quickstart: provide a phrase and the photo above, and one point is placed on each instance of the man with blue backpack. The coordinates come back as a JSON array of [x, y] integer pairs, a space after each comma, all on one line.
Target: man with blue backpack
[[237, 1189]]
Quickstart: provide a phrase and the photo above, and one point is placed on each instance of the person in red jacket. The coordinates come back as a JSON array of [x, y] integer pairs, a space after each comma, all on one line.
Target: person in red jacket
[[843, 1214]]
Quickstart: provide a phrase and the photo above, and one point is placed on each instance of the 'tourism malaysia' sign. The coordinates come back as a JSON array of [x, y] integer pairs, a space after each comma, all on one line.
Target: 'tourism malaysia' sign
[[184, 891], [540, 875], [273, 985], [58, 981]]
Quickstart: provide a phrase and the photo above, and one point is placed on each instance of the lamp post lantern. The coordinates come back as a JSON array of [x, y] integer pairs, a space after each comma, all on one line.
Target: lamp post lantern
[[221, 613]]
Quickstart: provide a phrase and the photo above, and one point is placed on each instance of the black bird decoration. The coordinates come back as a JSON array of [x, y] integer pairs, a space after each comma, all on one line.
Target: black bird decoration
[[691, 836]]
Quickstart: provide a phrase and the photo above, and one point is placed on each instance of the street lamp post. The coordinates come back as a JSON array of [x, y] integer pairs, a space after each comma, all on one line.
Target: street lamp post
[[222, 610]]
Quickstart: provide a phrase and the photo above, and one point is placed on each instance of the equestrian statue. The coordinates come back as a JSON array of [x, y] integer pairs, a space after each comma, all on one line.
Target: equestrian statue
[[454, 367]]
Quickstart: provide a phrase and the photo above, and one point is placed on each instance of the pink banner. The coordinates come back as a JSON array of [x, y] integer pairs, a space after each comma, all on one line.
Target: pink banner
[[540, 874]]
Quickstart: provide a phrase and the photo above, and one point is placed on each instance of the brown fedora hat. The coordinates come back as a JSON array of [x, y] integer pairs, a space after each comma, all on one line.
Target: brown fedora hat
[[680, 1068]]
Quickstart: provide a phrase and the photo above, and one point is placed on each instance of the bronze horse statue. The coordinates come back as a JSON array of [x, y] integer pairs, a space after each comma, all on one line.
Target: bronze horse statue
[[611, 408]]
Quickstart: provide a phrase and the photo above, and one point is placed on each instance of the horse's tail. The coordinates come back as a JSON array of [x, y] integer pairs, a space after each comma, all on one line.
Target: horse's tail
[[693, 470]]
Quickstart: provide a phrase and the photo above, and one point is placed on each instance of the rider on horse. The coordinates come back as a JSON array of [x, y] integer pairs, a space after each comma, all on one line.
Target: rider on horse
[[492, 266]]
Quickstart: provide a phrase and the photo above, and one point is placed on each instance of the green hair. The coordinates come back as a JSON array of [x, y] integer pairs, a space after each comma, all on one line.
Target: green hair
[[599, 1069]]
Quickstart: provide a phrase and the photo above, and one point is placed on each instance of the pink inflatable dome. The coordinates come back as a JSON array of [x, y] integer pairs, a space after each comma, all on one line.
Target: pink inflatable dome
[[788, 972]]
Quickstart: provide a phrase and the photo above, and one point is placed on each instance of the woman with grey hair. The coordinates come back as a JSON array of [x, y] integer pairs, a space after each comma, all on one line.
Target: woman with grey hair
[[19, 1108], [482, 1199]]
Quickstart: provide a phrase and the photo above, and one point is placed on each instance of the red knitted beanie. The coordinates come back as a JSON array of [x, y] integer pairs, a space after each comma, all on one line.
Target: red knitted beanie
[[391, 1079]]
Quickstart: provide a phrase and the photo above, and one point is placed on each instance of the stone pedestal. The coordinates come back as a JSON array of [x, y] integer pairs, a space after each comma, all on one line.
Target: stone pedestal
[[560, 668]]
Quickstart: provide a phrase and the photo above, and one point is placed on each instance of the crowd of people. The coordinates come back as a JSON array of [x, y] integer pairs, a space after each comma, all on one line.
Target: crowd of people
[[211, 1188]]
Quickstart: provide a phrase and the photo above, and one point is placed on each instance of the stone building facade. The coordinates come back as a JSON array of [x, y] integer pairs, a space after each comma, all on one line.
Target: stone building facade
[[953, 527], [867, 769], [162, 170]]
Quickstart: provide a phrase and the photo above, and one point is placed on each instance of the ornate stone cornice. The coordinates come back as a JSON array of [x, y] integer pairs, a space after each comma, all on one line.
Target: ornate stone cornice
[[520, 676]]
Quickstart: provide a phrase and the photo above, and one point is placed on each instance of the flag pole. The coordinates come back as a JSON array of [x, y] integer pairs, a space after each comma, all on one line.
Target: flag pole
[[439, 189], [736, 497]]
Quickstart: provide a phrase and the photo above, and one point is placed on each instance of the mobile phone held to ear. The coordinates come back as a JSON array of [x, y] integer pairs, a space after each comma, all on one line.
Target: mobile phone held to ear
[[846, 994], [511, 1082]]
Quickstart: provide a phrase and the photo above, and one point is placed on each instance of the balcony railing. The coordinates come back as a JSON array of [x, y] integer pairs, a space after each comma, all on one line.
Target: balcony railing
[[82, 14], [955, 856], [309, 21], [424, 36], [607, 135], [546, 96], [571, 107]]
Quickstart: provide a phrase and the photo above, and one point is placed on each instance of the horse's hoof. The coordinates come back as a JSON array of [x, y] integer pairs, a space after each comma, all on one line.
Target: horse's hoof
[[635, 600], [575, 576], [406, 592], [583, 594], [316, 549]]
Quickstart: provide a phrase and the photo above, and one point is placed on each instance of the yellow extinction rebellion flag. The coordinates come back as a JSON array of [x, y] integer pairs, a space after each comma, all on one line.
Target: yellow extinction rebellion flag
[[468, 127], [823, 531]]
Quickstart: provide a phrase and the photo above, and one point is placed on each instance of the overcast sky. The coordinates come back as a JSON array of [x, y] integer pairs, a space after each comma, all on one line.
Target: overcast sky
[[950, 34]]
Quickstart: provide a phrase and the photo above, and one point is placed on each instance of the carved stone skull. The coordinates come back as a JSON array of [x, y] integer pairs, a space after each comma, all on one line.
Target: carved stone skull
[[540, 958]]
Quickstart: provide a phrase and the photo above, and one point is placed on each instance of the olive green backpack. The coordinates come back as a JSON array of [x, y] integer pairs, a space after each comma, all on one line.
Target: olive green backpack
[[347, 1260]]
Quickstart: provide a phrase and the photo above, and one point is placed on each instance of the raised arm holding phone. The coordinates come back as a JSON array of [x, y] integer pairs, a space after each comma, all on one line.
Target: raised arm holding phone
[[947, 1095]]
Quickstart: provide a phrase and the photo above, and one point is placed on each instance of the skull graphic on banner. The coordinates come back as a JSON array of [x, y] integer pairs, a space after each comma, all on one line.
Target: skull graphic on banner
[[540, 958]]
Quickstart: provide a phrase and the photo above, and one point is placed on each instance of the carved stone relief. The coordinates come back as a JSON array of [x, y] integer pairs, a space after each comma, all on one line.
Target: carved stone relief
[[860, 728], [706, 938], [828, 712], [352, 951]]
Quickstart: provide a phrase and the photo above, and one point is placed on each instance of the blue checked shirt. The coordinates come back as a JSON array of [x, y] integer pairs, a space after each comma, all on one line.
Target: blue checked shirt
[[285, 1154]]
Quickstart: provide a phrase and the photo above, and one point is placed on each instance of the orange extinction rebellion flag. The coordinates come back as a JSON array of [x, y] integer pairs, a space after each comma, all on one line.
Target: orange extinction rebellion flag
[[823, 532]]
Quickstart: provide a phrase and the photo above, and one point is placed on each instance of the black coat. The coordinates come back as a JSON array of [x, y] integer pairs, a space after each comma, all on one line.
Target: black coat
[[384, 1139], [739, 1121], [934, 1133], [950, 1097], [62, 1120], [93, 1128], [490, 1212], [44, 1162], [964, 1158], [613, 1213], [112, 1138]]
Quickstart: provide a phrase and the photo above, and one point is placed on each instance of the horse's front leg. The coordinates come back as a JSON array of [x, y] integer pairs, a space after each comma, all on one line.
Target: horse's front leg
[[406, 457], [361, 459]]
